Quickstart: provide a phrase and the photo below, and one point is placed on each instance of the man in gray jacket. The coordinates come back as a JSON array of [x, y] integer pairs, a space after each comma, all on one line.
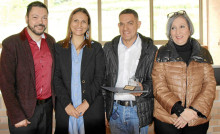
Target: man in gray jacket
[[129, 56]]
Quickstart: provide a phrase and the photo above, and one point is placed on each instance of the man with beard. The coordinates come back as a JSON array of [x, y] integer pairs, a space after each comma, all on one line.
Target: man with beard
[[26, 70]]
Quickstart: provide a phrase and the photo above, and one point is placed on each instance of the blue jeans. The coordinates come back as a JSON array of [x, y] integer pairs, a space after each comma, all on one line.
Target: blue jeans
[[127, 121]]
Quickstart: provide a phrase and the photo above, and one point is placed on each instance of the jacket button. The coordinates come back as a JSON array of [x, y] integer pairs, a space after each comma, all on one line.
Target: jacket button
[[84, 91], [83, 81]]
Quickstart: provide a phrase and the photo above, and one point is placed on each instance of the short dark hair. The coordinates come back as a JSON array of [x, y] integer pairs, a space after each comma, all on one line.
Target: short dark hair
[[35, 4], [129, 11]]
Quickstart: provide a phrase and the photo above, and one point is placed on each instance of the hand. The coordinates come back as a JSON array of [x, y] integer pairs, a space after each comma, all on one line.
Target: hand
[[83, 107], [180, 123], [71, 111], [106, 121], [189, 115], [22, 123], [138, 94], [141, 86]]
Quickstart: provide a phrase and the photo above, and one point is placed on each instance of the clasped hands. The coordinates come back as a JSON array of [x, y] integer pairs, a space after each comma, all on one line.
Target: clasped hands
[[185, 117], [78, 111]]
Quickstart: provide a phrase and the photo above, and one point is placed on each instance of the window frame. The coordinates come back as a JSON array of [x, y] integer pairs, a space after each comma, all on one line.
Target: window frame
[[156, 42], [151, 10]]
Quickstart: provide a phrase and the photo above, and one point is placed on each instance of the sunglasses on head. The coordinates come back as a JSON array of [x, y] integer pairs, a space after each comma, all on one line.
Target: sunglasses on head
[[181, 12]]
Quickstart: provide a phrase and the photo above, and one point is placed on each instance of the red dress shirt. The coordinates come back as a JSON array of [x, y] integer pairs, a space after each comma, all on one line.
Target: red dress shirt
[[42, 65]]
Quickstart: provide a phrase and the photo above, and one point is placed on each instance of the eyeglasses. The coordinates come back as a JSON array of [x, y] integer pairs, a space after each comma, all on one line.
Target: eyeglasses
[[181, 12]]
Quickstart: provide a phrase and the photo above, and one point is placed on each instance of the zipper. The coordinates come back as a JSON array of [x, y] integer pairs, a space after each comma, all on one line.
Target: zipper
[[186, 86], [186, 79]]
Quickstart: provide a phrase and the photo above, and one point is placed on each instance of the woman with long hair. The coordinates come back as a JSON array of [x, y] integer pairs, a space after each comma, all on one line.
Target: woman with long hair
[[79, 73]]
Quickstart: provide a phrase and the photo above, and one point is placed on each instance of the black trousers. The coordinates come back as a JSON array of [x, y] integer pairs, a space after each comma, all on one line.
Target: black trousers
[[41, 121], [165, 128]]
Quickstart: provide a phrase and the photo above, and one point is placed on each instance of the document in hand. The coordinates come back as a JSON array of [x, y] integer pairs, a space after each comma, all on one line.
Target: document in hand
[[122, 90]]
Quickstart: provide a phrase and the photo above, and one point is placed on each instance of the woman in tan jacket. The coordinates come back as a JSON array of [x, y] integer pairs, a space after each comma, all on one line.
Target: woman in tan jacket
[[183, 81]]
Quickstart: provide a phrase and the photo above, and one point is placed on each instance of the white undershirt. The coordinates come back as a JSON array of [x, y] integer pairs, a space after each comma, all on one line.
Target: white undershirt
[[39, 42], [128, 59]]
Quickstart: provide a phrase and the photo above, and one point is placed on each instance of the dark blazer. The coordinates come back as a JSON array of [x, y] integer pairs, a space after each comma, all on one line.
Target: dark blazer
[[17, 76], [92, 75]]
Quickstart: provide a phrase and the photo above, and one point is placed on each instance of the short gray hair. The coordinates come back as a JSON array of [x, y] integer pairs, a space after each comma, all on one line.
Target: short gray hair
[[173, 17]]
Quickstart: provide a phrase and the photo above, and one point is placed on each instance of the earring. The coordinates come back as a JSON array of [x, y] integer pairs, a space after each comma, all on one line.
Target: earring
[[71, 33], [87, 34], [171, 38]]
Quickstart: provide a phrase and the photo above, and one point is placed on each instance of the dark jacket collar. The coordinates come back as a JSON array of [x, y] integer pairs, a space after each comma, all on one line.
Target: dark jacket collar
[[23, 37], [24, 41], [145, 43], [148, 49], [168, 53], [86, 57]]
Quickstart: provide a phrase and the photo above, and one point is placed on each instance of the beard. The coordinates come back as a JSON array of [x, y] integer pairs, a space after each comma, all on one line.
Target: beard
[[34, 31]]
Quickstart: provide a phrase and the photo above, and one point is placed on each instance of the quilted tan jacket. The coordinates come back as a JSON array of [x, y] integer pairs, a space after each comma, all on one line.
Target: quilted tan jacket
[[174, 81]]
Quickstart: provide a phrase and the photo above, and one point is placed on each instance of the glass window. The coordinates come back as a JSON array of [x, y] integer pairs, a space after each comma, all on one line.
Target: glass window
[[12, 18], [163, 7], [110, 16], [59, 11]]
